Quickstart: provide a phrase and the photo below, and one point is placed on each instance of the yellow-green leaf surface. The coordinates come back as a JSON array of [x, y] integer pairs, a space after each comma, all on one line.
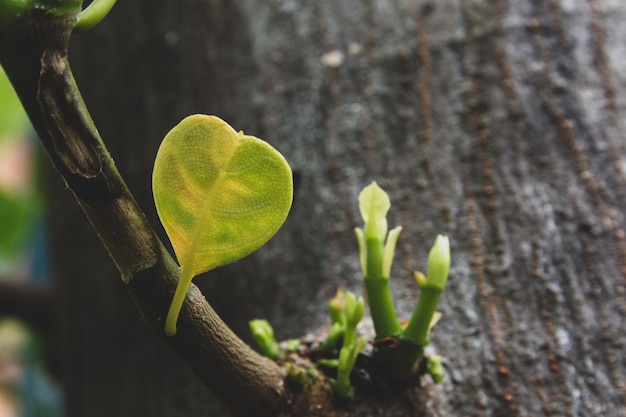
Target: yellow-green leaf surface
[[220, 195]]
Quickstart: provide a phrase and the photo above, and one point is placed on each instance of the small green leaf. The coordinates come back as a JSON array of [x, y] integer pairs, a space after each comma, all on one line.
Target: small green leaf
[[219, 194], [432, 287], [388, 251]]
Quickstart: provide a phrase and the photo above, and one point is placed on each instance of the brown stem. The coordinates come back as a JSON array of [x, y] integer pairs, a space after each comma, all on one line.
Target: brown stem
[[34, 55]]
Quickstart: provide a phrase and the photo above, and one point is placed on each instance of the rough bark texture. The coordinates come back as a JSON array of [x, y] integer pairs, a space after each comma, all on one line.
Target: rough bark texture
[[496, 122]]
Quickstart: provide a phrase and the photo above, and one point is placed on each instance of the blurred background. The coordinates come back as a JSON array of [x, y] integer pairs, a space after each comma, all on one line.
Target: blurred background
[[26, 389]]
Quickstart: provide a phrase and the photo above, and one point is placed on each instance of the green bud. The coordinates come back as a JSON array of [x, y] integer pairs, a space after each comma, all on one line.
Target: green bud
[[264, 335], [439, 262], [296, 375], [355, 311], [419, 278], [424, 316], [435, 368], [374, 204], [350, 305], [336, 307], [292, 345]]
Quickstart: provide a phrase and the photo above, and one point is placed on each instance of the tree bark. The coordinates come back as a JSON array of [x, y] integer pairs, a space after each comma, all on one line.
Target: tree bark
[[498, 123]]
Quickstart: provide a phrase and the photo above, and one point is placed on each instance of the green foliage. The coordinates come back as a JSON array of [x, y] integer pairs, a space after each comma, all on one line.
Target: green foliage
[[347, 360], [220, 195], [376, 248], [346, 311], [264, 335], [354, 309], [432, 286]]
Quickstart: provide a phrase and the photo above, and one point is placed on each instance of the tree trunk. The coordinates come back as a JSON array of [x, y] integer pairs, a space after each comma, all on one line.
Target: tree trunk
[[498, 123]]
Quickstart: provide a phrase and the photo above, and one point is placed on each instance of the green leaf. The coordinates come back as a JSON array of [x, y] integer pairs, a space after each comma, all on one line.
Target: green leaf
[[220, 196]]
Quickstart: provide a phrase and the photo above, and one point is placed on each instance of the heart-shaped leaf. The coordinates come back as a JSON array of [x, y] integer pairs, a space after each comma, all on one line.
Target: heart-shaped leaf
[[220, 196]]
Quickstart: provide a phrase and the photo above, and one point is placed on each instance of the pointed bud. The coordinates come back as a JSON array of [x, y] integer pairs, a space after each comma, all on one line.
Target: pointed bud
[[435, 368], [419, 278], [439, 263], [336, 307], [374, 204]]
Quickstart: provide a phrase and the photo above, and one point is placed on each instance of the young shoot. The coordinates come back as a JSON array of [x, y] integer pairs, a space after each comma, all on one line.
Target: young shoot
[[346, 312], [424, 315], [401, 357], [336, 307], [354, 308], [376, 248], [264, 335], [434, 367], [347, 360]]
